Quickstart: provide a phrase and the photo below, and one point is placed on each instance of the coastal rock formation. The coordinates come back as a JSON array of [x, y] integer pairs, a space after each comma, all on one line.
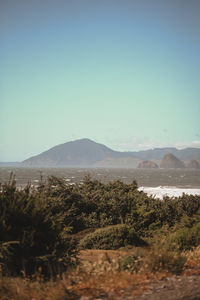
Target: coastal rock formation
[[147, 164], [170, 161], [193, 164]]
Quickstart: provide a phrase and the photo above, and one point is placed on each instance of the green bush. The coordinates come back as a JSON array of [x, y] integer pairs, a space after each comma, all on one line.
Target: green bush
[[186, 238], [111, 237], [31, 236]]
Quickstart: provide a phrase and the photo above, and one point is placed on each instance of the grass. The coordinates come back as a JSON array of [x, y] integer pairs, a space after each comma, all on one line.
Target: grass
[[107, 284], [98, 276], [192, 265], [24, 289]]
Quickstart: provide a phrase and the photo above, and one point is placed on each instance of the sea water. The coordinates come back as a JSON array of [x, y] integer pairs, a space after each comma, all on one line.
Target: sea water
[[158, 182]]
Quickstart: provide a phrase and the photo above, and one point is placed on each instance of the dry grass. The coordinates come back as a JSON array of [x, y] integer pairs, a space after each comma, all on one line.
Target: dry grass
[[94, 256], [24, 289], [110, 285], [192, 265], [107, 285], [98, 277]]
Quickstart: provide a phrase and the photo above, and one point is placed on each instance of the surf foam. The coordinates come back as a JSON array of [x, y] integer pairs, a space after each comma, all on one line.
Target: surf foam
[[161, 191]]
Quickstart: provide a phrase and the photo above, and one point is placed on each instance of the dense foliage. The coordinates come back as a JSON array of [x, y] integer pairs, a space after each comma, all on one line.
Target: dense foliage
[[111, 237], [186, 238], [32, 235], [39, 227]]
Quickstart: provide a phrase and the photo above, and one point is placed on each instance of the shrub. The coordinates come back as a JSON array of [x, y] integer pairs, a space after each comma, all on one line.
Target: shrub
[[111, 237], [186, 238], [155, 260], [30, 235], [132, 261], [162, 259]]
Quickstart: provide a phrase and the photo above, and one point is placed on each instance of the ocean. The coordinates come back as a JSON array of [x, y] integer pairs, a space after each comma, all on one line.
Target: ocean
[[156, 182]]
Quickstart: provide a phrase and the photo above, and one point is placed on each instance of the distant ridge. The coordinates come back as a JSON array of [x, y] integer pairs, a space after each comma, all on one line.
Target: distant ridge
[[87, 153]]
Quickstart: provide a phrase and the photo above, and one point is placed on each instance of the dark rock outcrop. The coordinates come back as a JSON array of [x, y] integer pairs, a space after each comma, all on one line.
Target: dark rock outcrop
[[193, 164], [147, 164], [170, 161]]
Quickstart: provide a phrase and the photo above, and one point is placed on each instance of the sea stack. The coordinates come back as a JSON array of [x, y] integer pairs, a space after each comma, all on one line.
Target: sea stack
[[170, 161], [193, 164], [147, 164]]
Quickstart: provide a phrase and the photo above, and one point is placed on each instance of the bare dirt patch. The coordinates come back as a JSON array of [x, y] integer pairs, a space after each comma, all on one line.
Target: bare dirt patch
[[93, 256]]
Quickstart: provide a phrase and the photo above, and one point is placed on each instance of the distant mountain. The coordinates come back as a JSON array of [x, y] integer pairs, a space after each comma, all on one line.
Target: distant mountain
[[82, 152], [87, 153], [170, 161]]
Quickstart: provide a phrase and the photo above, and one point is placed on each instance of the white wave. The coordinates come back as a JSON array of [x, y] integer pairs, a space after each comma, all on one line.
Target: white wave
[[171, 191]]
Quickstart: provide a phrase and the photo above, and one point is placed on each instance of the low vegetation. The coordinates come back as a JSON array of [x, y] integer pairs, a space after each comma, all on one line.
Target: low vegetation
[[111, 237], [45, 230], [186, 238]]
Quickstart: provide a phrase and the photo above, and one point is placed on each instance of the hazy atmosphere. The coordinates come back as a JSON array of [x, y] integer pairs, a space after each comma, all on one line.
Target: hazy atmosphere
[[122, 73]]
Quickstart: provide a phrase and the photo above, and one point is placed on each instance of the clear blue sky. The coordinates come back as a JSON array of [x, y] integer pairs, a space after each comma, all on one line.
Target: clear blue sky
[[123, 73]]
